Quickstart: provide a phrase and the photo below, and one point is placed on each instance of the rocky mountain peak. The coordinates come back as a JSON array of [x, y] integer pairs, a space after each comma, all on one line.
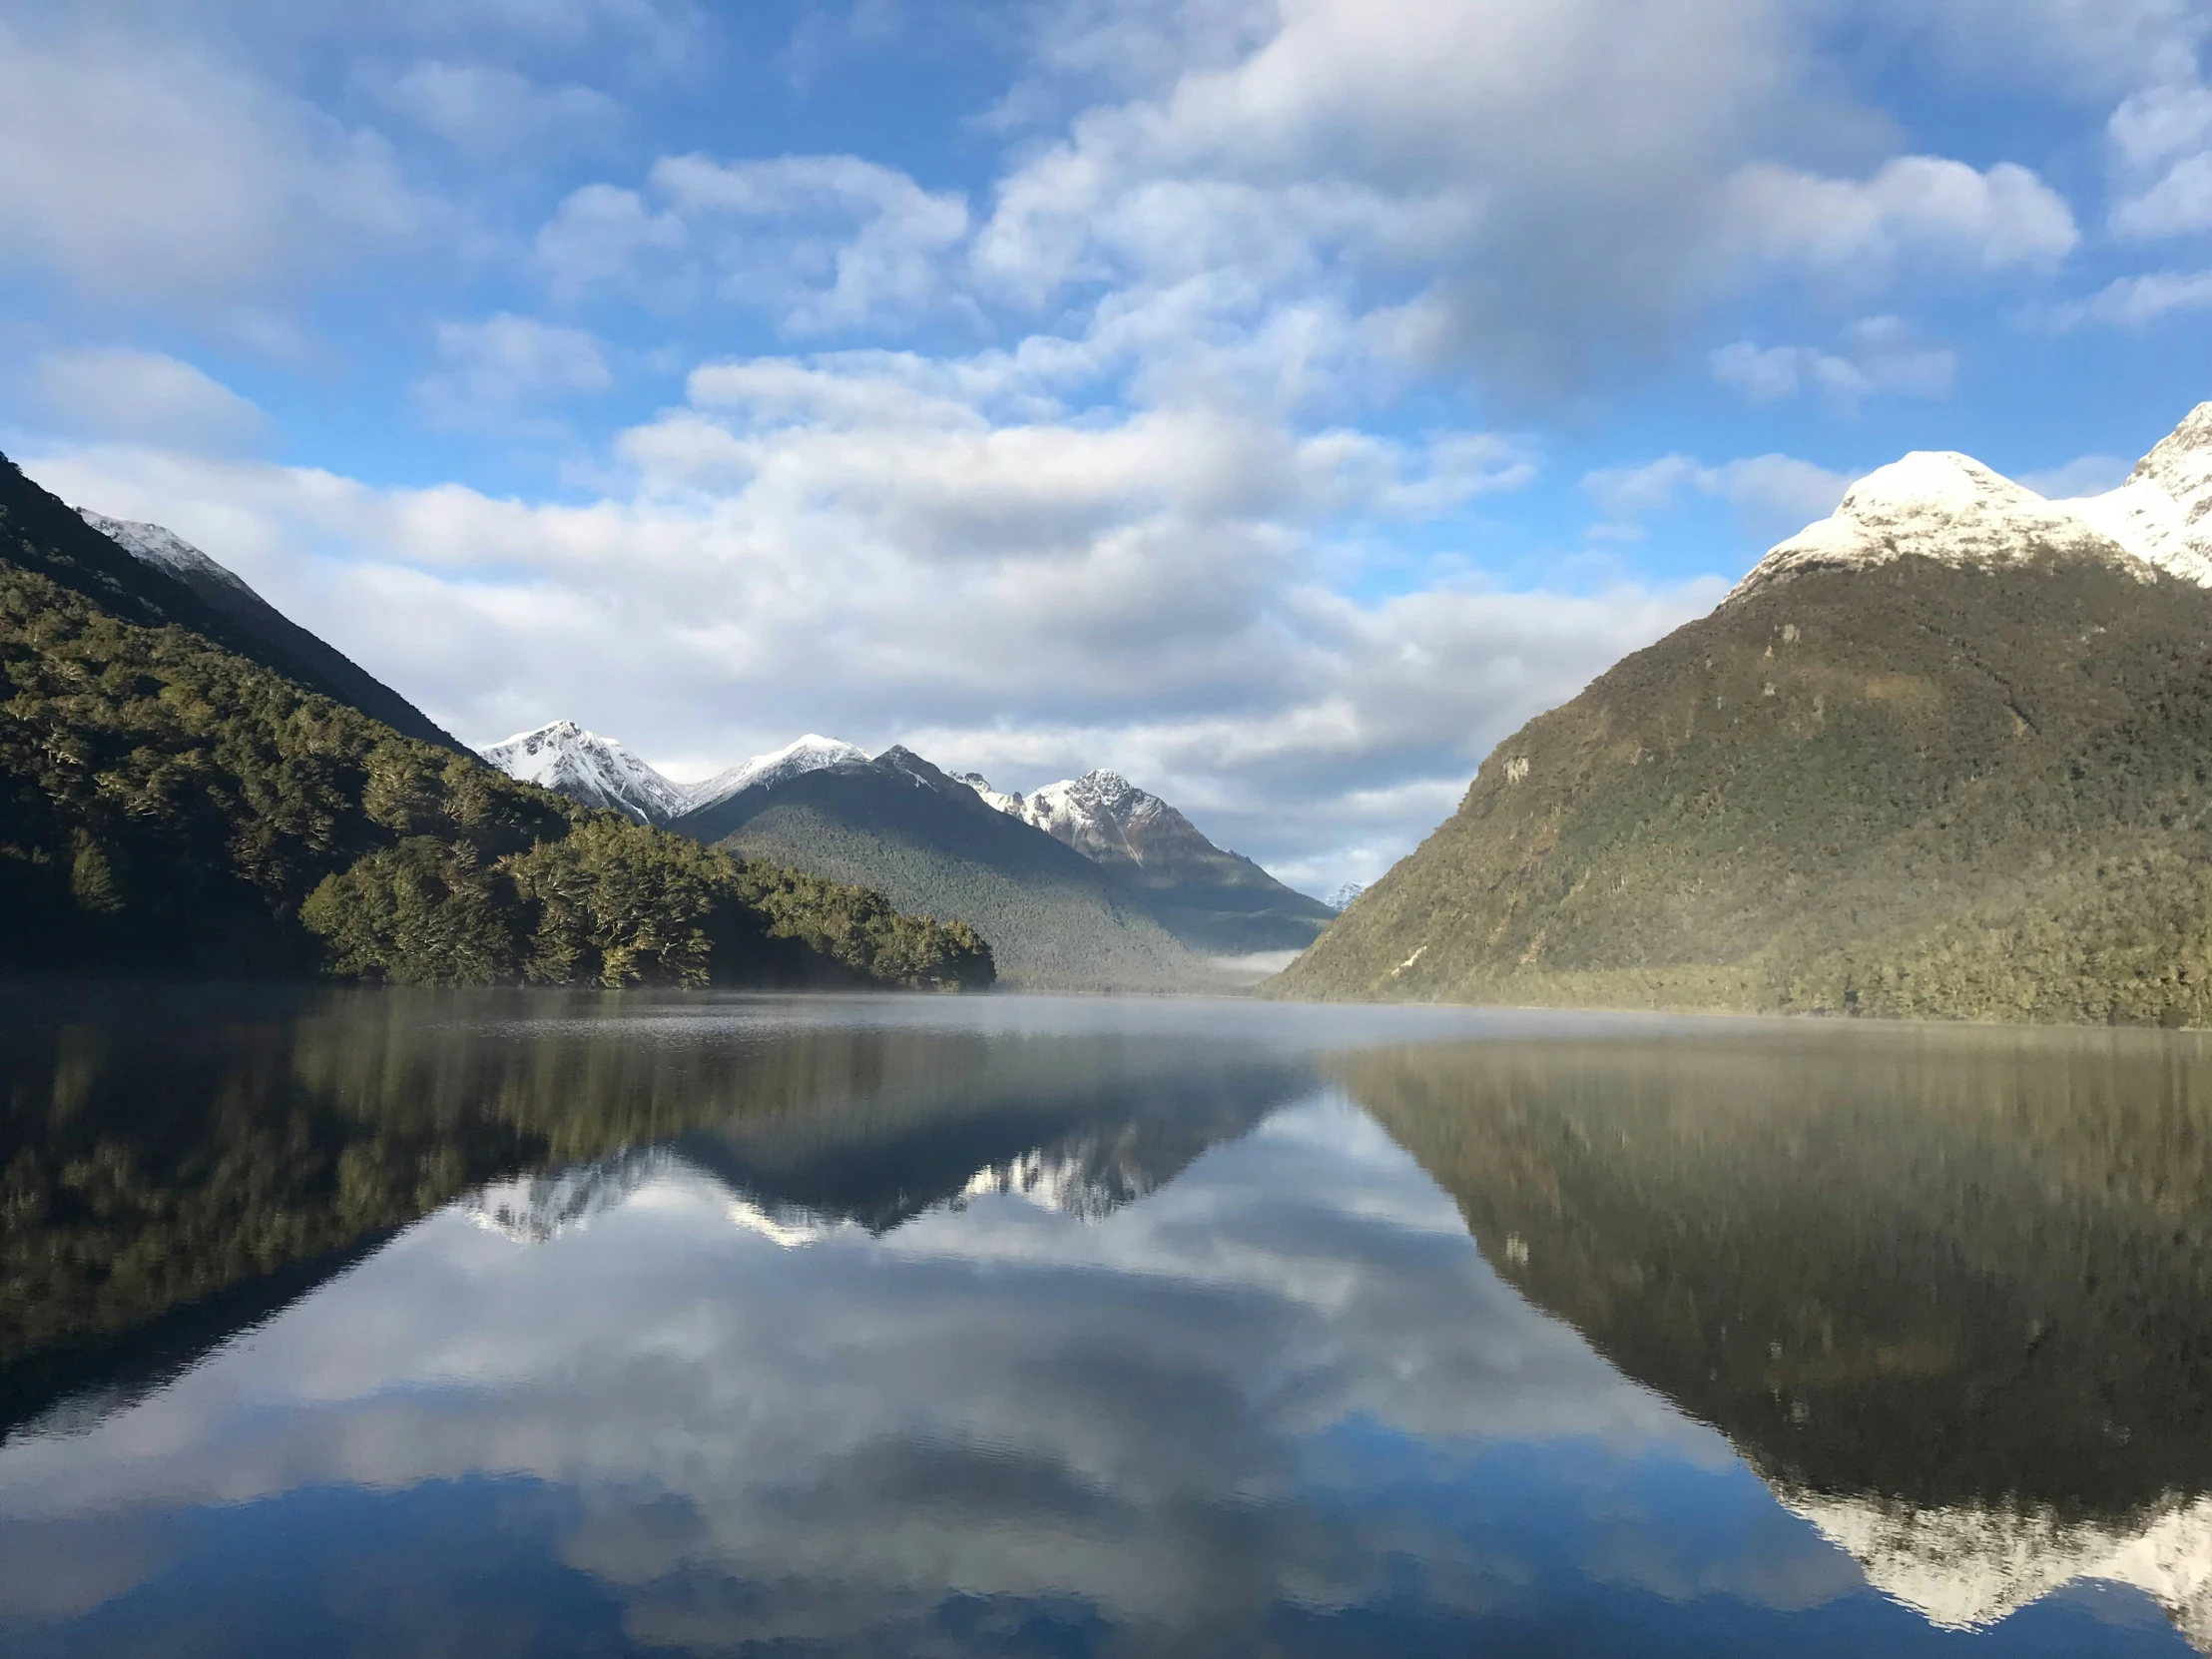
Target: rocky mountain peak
[[812, 753], [921, 773], [585, 767]]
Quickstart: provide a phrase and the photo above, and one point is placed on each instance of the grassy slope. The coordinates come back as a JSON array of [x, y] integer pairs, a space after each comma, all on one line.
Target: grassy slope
[[1054, 919], [1916, 790]]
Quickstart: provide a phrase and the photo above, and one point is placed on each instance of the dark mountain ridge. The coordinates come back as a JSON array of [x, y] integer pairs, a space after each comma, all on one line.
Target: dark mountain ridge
[[41, 534], [283, 644]]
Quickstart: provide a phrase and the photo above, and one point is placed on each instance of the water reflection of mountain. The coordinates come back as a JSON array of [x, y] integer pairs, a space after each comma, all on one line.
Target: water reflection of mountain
[[1950, 1292], [1080, 1145], [175, 1167]]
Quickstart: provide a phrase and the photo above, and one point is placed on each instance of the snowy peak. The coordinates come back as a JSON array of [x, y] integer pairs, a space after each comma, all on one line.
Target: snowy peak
[[905, 763], [812, 753], [1340, 899], [585, 767], [1950, 508], [1011, 804], [2163, 514], [163, 549], [1102, 816]]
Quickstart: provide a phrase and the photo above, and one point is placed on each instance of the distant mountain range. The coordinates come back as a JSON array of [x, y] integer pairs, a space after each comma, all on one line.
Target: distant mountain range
[[1087, 883], [1942, 754]]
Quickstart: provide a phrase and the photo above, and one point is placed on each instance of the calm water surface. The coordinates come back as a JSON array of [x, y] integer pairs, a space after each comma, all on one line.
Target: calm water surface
[[393, 1325]]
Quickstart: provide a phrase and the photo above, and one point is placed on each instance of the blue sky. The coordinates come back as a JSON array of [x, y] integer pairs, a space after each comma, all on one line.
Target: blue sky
[[1279, 402]]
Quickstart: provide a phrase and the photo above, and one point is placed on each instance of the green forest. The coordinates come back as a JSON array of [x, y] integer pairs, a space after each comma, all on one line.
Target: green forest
[[171, 808], [1920, 793]]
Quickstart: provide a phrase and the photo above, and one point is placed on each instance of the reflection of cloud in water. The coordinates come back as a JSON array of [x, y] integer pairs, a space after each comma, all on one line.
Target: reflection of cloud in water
[[824, 1441]]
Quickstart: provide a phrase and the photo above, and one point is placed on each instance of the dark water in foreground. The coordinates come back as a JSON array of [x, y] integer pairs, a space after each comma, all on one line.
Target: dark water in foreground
[[397, 1324]]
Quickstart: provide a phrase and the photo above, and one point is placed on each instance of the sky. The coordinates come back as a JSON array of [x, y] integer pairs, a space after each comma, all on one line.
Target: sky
[[1277, 402]]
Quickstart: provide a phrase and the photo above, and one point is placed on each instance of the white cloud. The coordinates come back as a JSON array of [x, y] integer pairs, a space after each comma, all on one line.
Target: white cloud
[[2137, 302], [858, 544], [824, 244], [492, 109], [1531, 177], [1538, 189], [2084, 475], [509, 364], [144, 397], [2084, 48], [1912, 205], [2161, 140], [169, 177], [1777, 492], [1882, 358]]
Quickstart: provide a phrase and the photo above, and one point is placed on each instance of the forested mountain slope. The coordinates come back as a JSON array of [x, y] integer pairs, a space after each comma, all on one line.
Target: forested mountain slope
[[1947, 756], [38, 533], [173, 807], [1056, 919], [1215, 901], [266, 634]]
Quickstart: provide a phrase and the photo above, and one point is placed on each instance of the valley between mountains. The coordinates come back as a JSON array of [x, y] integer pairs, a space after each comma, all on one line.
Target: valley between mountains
[[1946, 754]]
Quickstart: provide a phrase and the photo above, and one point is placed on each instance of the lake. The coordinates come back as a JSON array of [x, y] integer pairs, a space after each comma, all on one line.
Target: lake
[[519, 1324]]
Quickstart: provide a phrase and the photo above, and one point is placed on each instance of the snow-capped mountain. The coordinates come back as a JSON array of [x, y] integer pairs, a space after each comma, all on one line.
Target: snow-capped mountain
[[2163, 514], [585, 767], [1949, 508], [1340, 899], [812, 753], [1104, 816], [165, 550], [1964, 1568], [1213, 900]]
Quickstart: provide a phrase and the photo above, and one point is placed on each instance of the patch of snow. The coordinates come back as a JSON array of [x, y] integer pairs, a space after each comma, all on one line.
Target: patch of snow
[[1011, 805], [812, 753], [2163, 512], [163, 549], [1340, 899], [1101, 815], [586, 767], [1950, 507]]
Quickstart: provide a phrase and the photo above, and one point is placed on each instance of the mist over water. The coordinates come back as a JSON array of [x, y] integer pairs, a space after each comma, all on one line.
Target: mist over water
[[557, 1323]]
